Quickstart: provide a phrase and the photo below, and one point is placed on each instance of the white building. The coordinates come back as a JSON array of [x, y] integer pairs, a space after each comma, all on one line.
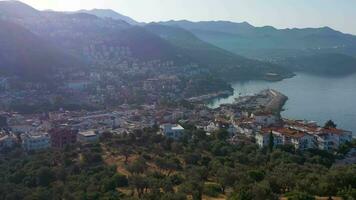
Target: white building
[[262, 138], [23, 128], [299, 139], [265, 119], [211, 128], [173, 131], [35, 141], [87, 136], [248, 129], [6, 141], [330, 139], [286, 136]]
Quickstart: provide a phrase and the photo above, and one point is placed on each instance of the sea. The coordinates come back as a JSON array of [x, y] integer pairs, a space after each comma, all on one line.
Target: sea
[[310, 97]]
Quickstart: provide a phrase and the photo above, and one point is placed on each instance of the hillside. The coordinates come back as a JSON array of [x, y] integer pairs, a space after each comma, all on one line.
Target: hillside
[[268, 42], [222, 62], [19, 57], [144, 165], [324, 64]]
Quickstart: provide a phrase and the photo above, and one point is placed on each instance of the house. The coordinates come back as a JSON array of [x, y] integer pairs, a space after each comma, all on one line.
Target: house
[[6, 141], [78, 84], [265, 119], [87, 136], [61, 137], [174, 131], [299, 139], [35, 141], [23, 128], [286, 136], [4, 85], [212, 127], [246, 128], [263, 137], [332, 138]]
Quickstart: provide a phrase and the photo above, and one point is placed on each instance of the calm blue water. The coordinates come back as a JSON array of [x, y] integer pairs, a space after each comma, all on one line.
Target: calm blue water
[[311, 97]]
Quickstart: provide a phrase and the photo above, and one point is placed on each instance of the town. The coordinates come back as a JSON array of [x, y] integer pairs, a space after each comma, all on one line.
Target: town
[[256, 118]]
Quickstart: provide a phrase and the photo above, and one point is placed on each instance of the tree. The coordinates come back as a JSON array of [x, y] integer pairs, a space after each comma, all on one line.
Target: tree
[[139, 183], [120, 180], [270, 141], [137, 167], [241, 194], [225, 177], [193, 187], [45, 176], [299, 196], [125, 151], [221, 134], [168, 164], [348, 193], [330, 124]]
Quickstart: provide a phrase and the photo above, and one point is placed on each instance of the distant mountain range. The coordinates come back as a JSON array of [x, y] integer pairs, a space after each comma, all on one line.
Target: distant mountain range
[[268, 42], [96, 37], [77, 32], [222, 62]]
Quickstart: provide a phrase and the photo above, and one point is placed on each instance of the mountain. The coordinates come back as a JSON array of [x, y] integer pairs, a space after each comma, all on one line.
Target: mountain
[[26, 55], [212, 26], [324, 64], [104, 42], [220, 61], [108, 13], [17, 9], [268, 42]]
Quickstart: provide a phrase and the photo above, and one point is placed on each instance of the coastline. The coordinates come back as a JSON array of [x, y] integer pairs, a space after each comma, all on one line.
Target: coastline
[[268, 100], [207, 97]]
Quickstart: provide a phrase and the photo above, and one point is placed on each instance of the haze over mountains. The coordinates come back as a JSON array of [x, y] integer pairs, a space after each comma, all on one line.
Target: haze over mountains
[[96, 37], [25, 54], [108, 13], [78, 32], [245, 39]]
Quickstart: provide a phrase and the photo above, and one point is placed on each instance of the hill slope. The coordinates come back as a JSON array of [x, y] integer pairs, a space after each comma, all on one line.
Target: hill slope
[[26, 55], [324, 64], [222, 62]]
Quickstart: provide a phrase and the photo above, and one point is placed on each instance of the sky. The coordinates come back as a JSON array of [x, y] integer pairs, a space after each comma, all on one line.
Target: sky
[[337, 14]]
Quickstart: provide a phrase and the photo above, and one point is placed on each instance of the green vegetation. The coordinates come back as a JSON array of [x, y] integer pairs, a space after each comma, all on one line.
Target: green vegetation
[[144, 165], [74, 173], [330, 124]]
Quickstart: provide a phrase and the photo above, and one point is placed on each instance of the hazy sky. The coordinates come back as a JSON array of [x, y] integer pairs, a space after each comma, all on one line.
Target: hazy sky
[[338, 14]]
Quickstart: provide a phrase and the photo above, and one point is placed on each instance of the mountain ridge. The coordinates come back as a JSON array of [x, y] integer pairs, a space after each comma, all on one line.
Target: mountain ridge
[[109, 13], [247, 40]]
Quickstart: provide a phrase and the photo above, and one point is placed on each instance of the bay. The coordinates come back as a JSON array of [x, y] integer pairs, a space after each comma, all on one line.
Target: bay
[[311, 97]]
